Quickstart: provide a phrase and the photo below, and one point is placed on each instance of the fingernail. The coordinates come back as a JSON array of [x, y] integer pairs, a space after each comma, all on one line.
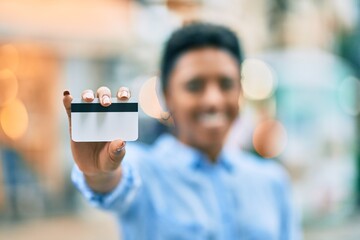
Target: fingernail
[[119, 149], [106, 100], [88, 95], [165, 115], [66, 93], [124, 94]]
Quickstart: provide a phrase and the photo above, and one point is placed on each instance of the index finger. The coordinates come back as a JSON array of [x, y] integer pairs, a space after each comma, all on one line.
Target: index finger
[[87, 95]]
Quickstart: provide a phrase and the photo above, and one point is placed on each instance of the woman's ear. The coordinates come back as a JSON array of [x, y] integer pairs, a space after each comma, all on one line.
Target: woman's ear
[[164, 100], [166, 114], [161, 95]]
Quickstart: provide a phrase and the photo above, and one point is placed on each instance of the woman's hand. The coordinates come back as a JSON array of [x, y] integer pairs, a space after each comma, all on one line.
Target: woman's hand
[[99, 161]]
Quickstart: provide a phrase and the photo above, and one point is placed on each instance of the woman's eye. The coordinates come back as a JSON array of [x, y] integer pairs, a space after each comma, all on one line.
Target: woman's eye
[[226, 83], [194, 85]]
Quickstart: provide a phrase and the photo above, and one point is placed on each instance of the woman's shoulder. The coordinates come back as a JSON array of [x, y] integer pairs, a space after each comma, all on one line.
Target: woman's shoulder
[[250, 164]]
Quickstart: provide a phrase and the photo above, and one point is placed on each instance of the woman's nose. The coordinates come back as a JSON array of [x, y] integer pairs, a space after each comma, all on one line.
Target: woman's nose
[[213, 97]]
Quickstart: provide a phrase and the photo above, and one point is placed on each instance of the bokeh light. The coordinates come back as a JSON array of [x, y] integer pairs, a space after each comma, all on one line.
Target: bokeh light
[[9, 57], [14, 119], [258, 79], [8, 86], [270, 138], [347, 94], [149, 100]]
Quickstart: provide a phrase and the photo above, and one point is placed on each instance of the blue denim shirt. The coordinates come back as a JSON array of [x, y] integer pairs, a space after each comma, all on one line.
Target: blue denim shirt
[[171, 191]]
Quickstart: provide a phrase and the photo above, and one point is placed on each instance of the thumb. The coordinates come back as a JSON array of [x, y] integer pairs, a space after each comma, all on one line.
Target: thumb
[[67, 103], [116, 151]]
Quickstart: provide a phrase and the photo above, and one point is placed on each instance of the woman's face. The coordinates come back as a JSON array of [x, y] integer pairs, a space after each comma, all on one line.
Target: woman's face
[[203, 97]]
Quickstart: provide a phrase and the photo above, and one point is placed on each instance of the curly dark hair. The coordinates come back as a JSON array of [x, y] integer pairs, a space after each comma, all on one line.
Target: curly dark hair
[[193, 36]]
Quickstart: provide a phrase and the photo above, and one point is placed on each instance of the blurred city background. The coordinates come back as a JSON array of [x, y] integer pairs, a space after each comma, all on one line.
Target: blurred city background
[[301, 108]]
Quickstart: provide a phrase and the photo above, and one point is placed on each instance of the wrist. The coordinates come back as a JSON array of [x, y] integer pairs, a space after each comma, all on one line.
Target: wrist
[[103, 182]]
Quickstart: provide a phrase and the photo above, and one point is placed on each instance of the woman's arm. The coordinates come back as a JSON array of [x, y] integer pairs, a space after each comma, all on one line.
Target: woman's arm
[[98, 161]]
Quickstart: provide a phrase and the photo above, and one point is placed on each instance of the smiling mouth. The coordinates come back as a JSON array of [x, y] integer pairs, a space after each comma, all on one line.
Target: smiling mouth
[[213, 120]]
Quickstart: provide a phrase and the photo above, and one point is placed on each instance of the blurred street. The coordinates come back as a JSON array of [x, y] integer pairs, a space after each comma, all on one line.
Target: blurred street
[[94, 225]]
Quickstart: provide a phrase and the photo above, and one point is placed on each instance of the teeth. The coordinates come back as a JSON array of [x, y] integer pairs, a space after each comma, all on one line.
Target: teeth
[[212, 119]]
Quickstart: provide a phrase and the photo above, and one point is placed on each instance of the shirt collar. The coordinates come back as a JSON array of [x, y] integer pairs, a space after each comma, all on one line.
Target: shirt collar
[[187, 156]]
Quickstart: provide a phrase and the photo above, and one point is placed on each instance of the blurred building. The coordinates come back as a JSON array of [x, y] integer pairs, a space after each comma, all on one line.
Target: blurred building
[[301, 99]]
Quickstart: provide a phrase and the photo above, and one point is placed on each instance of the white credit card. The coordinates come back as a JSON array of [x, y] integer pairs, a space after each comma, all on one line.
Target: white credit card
[[91, 122]]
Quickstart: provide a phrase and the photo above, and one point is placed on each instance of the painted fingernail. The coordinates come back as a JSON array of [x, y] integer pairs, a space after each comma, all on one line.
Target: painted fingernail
[[66, 93], [119, 149], [106, 100], [88, 95]]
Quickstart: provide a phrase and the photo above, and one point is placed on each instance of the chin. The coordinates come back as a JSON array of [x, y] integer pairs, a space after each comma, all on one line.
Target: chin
[[212, 139]]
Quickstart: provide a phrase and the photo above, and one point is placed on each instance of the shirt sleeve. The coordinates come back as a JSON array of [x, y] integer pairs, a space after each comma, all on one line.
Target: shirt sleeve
[[118, 199]]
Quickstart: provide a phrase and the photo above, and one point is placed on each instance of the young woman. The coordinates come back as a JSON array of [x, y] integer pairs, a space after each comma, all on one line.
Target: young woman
[[187, 185]]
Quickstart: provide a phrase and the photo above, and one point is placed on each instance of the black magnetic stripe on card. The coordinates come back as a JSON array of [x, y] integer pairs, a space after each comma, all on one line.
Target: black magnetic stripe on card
[[96, 107]]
